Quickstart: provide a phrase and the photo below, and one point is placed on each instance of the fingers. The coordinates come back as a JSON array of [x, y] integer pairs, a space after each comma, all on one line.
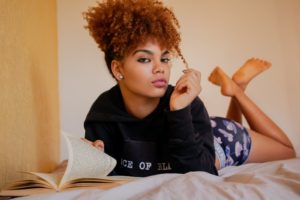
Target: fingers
[[99, 144], [192, 71], [189, 82], [186, 90]]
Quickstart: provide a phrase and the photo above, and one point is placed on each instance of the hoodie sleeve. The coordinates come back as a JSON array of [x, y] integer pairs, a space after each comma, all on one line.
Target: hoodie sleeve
[[190, 140]]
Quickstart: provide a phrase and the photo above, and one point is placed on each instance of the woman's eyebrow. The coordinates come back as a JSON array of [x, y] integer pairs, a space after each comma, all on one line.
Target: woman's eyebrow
[[149, 52], [165, 52], [143, 51]]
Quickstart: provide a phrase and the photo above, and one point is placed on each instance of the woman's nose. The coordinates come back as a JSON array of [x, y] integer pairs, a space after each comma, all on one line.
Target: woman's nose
[[158, 67]]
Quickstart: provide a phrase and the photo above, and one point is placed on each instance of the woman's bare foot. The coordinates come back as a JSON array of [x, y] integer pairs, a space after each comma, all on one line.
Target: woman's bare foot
[[228, 86], [249, 70]]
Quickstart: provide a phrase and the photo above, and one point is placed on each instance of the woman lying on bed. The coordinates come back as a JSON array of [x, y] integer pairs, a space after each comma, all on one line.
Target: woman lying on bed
[[151, 127]]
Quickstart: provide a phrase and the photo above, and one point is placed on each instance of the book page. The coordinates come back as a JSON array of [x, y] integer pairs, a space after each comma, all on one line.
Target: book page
[[27, 187], [28, 183], [52, 179], [25, 192], [85, 161]]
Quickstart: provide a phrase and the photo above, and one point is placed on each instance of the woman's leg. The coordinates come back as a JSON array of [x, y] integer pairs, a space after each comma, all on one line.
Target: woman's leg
[[264, 148], [250, 69], [269, 142]]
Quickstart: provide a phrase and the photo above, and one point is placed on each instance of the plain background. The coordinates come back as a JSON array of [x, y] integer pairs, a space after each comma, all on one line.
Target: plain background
[[29, 103], [214, 32]]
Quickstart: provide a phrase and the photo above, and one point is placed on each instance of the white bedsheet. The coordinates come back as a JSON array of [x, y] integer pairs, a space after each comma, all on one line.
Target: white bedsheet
[[271, 180]]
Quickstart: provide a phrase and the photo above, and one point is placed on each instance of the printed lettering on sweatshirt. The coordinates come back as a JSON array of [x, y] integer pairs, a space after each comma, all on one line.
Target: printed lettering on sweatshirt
[[144, 165]]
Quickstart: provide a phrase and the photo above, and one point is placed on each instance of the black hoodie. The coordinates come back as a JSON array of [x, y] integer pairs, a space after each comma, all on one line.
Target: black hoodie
[[163, 142]]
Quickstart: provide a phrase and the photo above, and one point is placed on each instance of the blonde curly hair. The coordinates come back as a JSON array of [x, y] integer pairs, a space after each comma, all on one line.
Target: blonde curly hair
[[119, 26]]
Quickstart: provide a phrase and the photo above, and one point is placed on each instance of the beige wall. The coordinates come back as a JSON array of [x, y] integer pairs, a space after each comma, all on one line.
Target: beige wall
[[29, 119], [215, 32]]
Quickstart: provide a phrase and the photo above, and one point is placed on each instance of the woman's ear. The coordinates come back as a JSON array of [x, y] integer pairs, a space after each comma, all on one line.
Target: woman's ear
[[116, 70]]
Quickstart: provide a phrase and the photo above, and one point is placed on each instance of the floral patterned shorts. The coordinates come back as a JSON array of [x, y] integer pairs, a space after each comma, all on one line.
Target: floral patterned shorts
[[231, 140]]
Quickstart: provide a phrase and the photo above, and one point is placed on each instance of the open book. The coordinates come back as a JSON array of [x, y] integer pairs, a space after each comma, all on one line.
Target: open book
[[87, 166]]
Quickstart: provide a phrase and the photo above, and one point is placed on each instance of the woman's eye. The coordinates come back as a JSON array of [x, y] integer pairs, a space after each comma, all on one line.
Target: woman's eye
[[143, 60], [165, 60]]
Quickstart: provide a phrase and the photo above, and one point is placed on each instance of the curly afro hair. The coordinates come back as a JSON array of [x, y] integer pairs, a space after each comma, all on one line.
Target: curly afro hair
[[119, 26]]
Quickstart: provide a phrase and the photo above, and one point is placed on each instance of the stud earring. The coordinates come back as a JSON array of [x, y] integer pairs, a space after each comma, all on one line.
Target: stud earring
[[121, 77]]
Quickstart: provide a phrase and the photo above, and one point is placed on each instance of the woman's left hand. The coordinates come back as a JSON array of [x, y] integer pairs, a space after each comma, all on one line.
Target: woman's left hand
[[186, 90], [98, 144]]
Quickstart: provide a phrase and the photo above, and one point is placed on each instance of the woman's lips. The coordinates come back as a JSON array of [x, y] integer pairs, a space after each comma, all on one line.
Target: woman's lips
[[159, 83]]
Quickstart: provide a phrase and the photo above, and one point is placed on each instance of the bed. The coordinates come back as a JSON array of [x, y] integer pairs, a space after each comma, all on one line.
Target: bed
[[270, 180]]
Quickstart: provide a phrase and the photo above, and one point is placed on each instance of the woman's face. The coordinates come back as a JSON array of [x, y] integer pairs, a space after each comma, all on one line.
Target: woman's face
[[146, 71]]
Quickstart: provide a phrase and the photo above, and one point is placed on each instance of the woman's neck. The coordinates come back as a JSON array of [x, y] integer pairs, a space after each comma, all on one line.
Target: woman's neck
[[138, 106]]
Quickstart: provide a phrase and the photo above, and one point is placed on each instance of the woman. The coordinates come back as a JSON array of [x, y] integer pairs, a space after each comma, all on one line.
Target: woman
[[148, 126]]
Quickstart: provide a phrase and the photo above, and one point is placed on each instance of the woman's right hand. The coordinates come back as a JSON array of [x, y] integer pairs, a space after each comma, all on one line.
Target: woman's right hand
[[186, 90], [99, 144]]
